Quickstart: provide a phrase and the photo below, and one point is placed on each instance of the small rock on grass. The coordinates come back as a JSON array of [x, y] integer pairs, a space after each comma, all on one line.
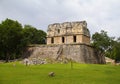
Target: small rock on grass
[[51, 74]]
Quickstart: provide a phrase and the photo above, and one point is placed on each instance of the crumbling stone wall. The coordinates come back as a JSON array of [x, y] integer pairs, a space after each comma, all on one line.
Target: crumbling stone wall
[[68, 30], [81, 53]]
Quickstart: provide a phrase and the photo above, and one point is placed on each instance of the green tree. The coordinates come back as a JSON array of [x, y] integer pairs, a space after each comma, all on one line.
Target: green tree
[[34, 36], [10, 39], [14, 38], [103, 43], [115, 51]]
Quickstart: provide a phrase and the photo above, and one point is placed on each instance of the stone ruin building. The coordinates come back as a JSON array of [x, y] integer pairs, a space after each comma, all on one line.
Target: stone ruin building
[[68, 40], [68, 33]]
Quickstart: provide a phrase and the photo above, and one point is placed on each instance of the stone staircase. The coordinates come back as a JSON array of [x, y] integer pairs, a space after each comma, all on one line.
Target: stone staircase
[[59, 52]]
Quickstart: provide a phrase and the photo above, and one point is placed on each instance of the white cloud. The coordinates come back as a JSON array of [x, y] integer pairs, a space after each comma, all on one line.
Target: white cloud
[[100, 14]]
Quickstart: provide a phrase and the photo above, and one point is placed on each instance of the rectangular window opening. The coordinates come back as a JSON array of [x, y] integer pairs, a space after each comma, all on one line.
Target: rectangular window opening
[[74, 38], [63, 39], [52, 40]]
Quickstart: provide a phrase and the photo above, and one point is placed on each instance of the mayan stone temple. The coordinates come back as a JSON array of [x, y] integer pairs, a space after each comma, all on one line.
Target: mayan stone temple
[[68, 33], [66, 41]]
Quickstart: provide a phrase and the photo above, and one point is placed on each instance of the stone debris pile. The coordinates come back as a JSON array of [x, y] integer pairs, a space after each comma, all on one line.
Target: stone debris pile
[[34, 61]]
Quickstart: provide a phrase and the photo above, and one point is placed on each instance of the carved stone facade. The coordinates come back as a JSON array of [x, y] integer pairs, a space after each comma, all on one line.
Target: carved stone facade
[[68, 33]]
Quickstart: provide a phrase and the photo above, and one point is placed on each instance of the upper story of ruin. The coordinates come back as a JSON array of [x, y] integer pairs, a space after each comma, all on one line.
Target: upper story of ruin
[[68, 33]]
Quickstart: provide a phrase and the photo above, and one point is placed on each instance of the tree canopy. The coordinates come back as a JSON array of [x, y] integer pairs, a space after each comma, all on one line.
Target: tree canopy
[[33, 35], [10, 38], [106, 46], [14, 38]]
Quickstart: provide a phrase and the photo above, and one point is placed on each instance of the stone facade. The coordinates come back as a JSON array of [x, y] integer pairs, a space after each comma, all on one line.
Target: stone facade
[[68, 33], [70, 40], [81, 53]]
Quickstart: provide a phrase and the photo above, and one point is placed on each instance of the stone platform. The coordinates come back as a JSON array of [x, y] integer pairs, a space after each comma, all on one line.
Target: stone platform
[[81, 53]]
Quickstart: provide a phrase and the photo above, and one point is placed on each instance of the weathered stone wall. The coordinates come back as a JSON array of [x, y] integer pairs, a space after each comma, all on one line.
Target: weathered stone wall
[[67, 30], [57, 40], [69, 39], [41, 51], [85, 39], [48, 40], [58, 29], [81, 53]]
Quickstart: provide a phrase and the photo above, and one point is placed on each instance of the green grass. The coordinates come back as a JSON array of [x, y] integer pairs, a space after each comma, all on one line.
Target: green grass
[[38, 74]]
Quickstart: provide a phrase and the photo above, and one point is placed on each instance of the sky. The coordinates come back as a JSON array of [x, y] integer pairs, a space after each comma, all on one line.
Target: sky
[[99, 14]]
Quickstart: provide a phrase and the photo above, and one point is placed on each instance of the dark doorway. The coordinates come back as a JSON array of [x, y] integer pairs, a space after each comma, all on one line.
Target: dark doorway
[[52, 40], [74, 38], [63, 39]]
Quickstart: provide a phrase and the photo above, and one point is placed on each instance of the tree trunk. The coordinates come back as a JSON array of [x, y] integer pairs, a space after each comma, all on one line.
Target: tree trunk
[[102, 58]]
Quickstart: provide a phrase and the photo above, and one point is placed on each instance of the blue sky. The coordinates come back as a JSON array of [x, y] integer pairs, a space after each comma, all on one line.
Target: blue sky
[[99, 14]]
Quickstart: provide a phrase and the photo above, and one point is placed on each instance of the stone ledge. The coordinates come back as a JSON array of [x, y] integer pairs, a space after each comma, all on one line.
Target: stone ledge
[[53, 45]]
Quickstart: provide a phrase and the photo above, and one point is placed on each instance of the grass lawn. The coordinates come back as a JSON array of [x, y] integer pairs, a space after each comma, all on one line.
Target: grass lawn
[[38, 74]]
